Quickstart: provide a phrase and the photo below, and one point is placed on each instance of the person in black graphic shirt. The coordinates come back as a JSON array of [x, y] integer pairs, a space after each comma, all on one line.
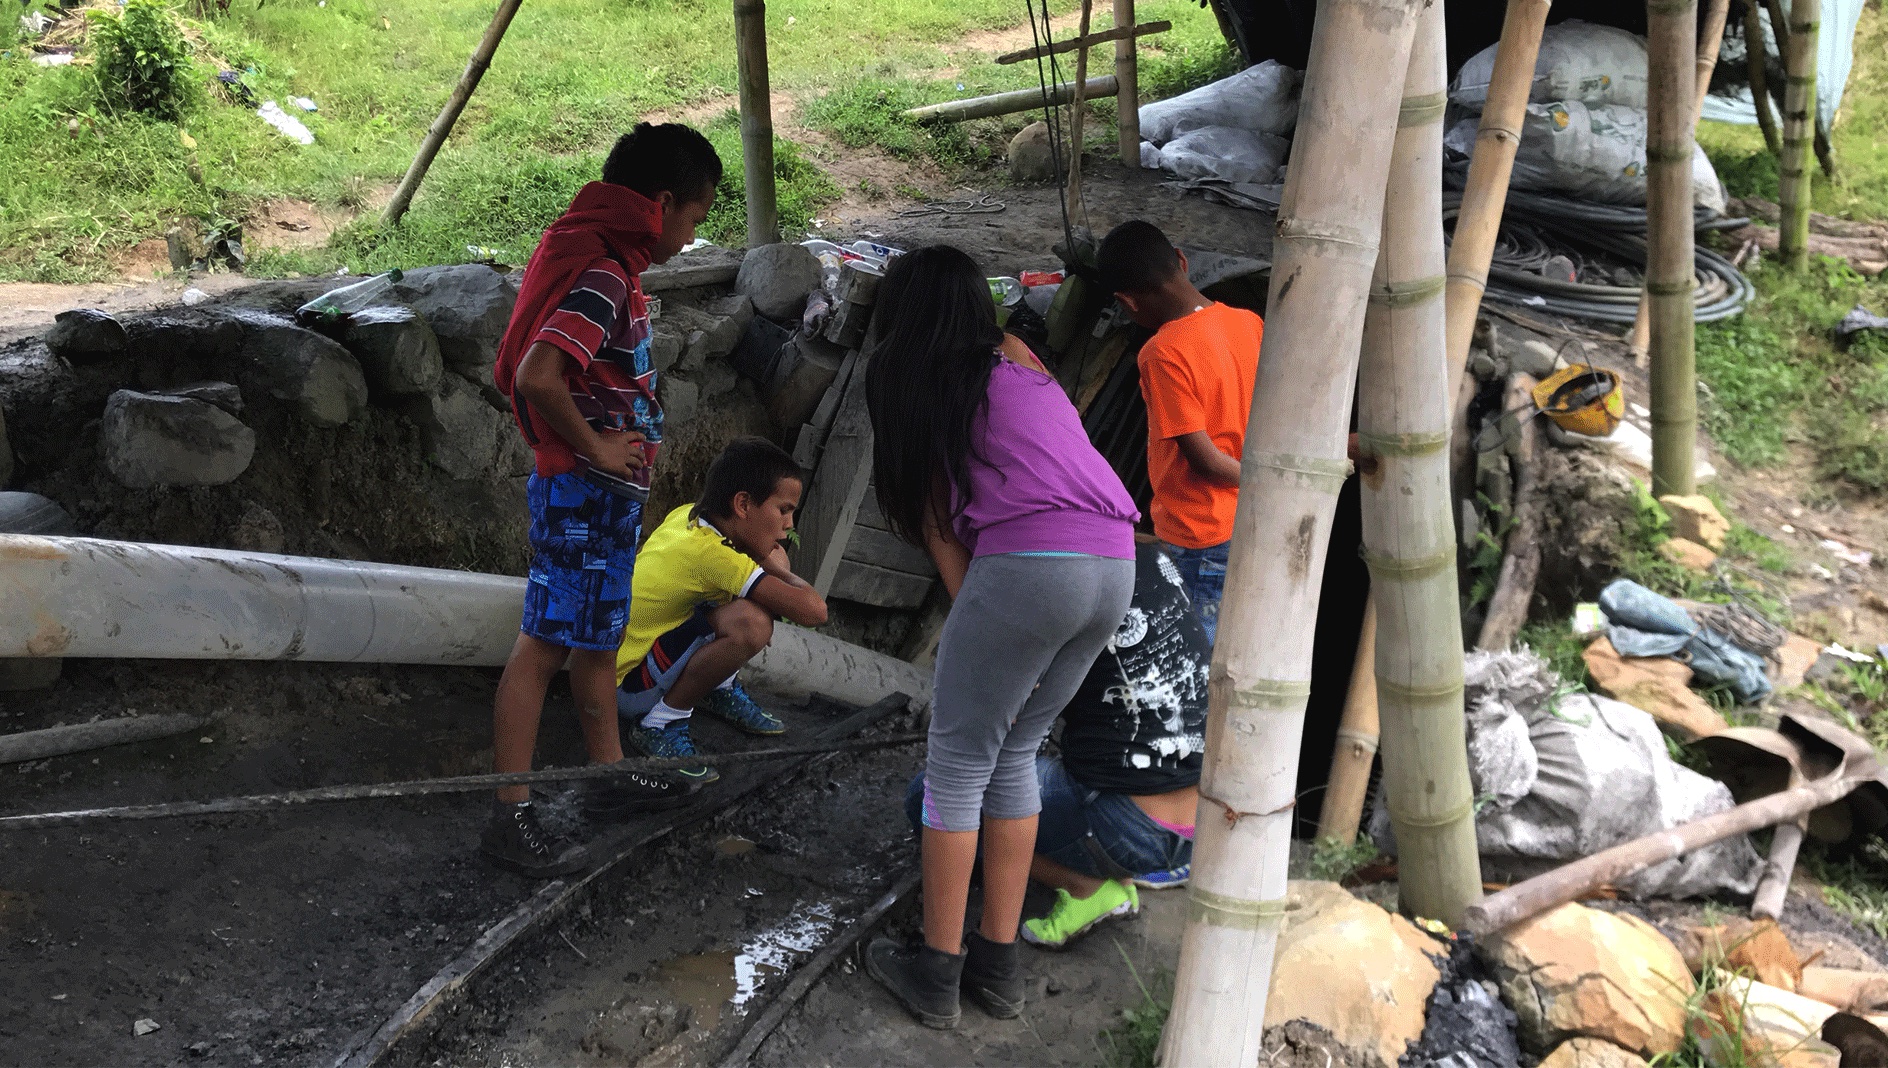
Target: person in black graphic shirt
[[1118, 803]]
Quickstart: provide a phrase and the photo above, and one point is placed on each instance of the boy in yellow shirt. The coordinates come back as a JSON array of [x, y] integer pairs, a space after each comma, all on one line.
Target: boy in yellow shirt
[[708, 585]]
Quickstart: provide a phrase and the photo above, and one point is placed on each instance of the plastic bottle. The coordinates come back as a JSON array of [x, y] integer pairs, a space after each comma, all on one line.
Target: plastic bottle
[[1007, 292], [345, 301]]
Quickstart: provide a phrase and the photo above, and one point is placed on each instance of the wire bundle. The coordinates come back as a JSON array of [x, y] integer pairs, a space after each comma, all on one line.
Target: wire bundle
[[1603, 241]]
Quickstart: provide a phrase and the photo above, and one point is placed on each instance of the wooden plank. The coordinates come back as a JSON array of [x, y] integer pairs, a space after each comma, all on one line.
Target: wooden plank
[[1116, 34], [869, 515], [880, 548], [831, 505], [982, 107], [878, 586]]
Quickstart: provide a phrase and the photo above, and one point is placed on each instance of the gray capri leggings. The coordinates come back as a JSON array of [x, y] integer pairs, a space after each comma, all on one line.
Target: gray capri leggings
[[1020, 638]]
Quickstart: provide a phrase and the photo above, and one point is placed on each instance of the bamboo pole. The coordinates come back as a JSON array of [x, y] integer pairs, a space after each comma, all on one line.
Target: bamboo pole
[[1077, 110], [757, 121], [1799, 106], [1007, 103], [1710, 40], [1127, 76], [1486, 193], [1755, 60], [1774, 886], [1123, 30], [1521, 563], [1294, 464], [1403, 409], [1670, 277], [1357, 737], [82, 737], [475, 69]]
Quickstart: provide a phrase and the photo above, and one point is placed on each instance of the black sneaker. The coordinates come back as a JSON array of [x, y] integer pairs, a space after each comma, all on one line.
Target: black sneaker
[[514, 839], [993, 976], [630, 792], [924, 980]]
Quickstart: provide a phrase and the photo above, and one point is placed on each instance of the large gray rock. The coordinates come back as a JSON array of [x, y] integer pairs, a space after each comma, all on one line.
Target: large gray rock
[[680, 400], [222, 394], [193, 344], [86, 335], [29, 513], [300, 367], [1032, 154], [726, 323], [465, 437], [154, 440], [468, 307], [397, 350], [777, 279], [667, 339]]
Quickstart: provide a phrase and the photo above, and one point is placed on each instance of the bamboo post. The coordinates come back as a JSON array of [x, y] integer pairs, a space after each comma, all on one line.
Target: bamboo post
[[1799, 108], [1008, 103], [1755, 60], [475, 69], [1127, 77], [1670, 277], [1077, 108], [1521, 563], [1710, 40], [757, 121], [1294, 464], [1403, 409], [1357, 736], [1486, 193], [1774, 885]]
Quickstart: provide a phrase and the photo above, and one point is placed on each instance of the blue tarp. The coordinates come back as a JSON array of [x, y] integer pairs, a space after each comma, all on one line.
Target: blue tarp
[[1835, 54], [1644, 623]]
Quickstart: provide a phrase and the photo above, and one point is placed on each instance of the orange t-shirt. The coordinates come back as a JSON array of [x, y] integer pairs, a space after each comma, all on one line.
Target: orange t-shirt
[[1196, 374]]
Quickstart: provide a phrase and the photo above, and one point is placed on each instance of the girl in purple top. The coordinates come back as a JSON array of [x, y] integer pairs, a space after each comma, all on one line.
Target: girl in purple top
[[980, 458]]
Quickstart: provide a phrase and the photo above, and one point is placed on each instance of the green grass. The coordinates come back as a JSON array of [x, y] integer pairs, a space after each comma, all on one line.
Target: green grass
[[1335, 861], [1554, 641], [85, 183], [1135, 1041], [1853, 885]]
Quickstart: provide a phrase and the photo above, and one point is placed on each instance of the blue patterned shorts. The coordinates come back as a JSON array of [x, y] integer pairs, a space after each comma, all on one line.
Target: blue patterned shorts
[[583, 550]]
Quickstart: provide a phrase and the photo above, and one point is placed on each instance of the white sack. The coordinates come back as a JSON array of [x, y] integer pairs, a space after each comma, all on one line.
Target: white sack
[[1225, 152], [1263, 97], [1579, 61], [1591, 153]]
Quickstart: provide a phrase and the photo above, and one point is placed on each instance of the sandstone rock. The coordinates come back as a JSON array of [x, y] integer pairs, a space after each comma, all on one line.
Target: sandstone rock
[[397, 350], [777, 279], [1591, 1053], [463, 434], [713, 342], [1753, 1023], [1851, 990], [1688, 554], [468, 306], [1657, 685], [29, 513], [1354, 970], [223, 395], [1796, 656], [680, 400], [154, 440], [258, 531], [319, 377], [1697, 519], [734, 306], [1760, 949], [86, 335], [1578, 972], [1831, 950], [1032, 154]]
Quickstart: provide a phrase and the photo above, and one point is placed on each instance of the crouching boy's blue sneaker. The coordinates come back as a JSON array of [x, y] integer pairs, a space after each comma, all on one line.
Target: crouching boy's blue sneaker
[[1165, 880], [671, 741], [733, 704]]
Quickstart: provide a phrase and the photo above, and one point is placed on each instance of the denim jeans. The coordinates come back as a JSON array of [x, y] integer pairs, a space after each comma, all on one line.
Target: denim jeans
[[1102, 835], [1203, 573]]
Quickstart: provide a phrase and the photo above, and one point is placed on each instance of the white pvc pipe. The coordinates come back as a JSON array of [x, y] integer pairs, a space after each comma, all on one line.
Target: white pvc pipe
[[85, 597]]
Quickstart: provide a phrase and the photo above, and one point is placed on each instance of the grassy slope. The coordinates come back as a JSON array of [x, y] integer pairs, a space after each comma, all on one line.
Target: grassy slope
[[570, 75]]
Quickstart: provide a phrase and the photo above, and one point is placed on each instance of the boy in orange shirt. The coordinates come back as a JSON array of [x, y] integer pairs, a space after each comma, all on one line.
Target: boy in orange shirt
[[1196, 376]]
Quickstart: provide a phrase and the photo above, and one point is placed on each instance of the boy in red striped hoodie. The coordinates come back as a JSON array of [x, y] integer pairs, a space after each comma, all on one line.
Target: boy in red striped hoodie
[[575, 363]]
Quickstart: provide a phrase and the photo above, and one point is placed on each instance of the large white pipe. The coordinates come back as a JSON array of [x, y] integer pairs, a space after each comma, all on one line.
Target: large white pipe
[[85, 597]]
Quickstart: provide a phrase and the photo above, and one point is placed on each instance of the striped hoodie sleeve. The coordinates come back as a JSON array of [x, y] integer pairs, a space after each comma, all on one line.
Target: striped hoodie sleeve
[[583, 320]]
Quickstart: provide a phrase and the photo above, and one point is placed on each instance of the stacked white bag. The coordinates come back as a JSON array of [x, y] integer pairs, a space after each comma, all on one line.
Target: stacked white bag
[[1232, 129], [1585, 130]]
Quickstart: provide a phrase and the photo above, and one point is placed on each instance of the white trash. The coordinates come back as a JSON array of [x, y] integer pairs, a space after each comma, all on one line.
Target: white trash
[[1578, 61], [1225, 152], [1594, 153], [288, 125], [1263, 97]]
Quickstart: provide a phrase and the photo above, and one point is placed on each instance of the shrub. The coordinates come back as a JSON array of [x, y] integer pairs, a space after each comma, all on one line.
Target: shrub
[[142, 61]]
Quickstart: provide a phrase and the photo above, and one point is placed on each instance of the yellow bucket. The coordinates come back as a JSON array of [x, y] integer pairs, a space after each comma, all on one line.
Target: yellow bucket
[[1582, 399]]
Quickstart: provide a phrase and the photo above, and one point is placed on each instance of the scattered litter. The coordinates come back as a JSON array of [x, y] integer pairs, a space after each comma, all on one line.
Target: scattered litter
[[144, 1027], [207, 741], [52, 59], [1837, 649], [58, 997], [1588, 619], [1787, 529], [485, 254], [1633, 445], [1822, 572], [700, 242], [304, 103], [289, 126], [1646, 624], [1537, 302], [1845, 554], [34, 23], [1858, 320], [1262, 97], [194, 296], [1641, 410]]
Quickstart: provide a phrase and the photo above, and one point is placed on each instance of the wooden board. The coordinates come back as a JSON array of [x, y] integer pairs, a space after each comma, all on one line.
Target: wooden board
[[880, 548], [878, 586], [831, 506]]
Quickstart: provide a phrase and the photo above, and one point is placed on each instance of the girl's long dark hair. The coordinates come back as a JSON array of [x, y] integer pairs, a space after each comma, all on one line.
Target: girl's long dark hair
[[934, 342]]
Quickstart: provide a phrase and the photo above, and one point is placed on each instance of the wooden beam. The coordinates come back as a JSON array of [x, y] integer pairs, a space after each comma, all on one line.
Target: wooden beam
[[831, 506], [1127, 99], [983, 107], [475, 69], [882, 548], [1122, 32], [757, 121], [879, 586]]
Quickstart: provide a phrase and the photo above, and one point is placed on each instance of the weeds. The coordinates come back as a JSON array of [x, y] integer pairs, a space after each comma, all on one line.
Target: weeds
[[1135, 1041], [1853, 885], [1555, 642], [1335, 861], [142, 62], [1743, 543]]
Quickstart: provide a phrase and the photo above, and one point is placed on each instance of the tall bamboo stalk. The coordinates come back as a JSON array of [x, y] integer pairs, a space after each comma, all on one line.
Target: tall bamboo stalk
[[1670, 278], [1710, 40], [1294, 464], [1077, 111], [1403, 409], [1799, 108], [1358, 734], [1756, 54], [475, 69], [1485, 194], [1127, 101], [757, 121]]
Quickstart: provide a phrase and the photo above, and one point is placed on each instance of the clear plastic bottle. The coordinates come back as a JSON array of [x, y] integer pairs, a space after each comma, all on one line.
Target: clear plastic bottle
[[340, 303], [1007, 292]]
